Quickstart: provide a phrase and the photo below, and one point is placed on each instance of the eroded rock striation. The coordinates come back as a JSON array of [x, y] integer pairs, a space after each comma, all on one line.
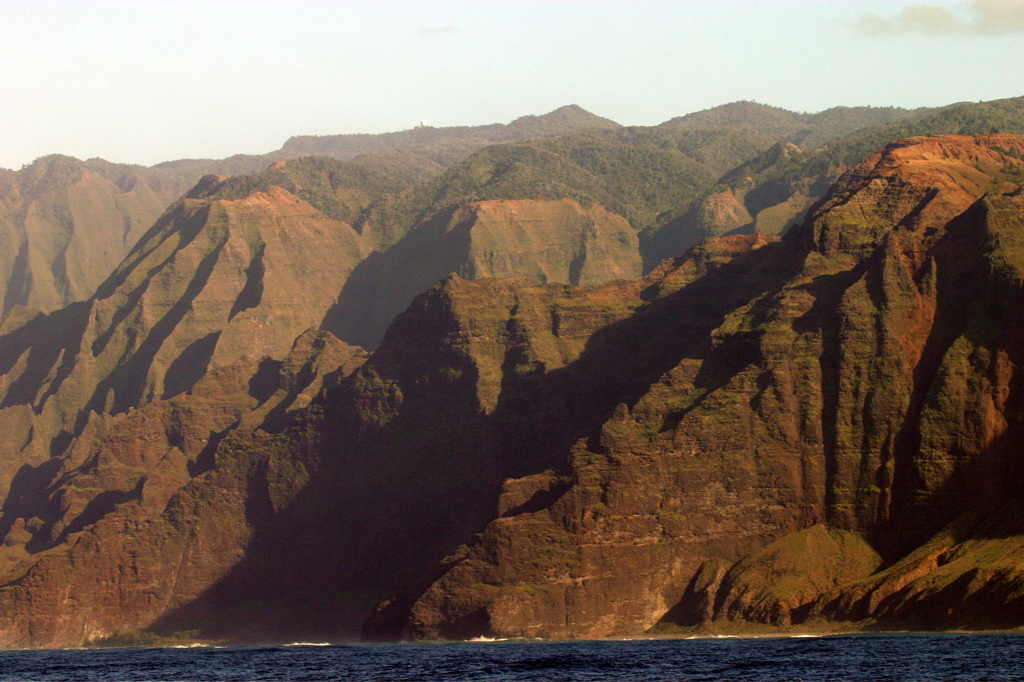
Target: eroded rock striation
[[211, 282], [147, 509], [178, 372], [122, 399]]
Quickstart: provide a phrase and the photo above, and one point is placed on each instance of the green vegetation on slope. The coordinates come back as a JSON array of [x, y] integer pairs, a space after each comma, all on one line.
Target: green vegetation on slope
[[643, 174], [785, 181], [806, 130]]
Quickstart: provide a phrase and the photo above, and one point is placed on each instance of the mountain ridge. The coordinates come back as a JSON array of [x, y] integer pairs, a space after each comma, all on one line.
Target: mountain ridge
[[444, 146]]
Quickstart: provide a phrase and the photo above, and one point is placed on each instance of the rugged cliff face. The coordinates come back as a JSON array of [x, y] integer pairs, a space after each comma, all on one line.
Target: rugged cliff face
[[749, 433], [148, 509], [864, 380], [65, 224], [214, 282], [257, 536], [114, 405], [547, 241]]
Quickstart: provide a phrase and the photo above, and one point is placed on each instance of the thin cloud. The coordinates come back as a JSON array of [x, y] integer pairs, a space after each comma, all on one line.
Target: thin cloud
[[432, 31], [973, 19]]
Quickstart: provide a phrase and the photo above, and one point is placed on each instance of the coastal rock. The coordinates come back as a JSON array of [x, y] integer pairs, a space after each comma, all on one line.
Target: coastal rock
[[148, 510], [832, 387], [777, 584], [747, 434]]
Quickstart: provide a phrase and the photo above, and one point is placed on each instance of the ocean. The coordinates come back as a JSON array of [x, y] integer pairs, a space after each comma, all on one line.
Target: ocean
[[875, 657]]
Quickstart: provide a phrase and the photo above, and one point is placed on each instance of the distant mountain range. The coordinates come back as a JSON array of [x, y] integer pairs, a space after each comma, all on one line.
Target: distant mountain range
[[426, 145]]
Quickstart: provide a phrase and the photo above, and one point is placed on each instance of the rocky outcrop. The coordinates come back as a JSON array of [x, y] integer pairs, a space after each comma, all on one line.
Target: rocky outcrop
[[147, 509], [315, 510], [127, 402], [115, 405], [602, 515], [778, 584], [469, 388], [967, 576]]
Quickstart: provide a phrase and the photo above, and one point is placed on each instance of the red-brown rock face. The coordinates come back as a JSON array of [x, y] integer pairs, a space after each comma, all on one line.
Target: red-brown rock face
[[212, 282], [117, 402], [146, 511], [865, 378], [527, 459]]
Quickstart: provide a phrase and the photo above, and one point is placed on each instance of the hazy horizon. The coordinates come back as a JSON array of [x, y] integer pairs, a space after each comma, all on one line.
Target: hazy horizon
[[159, 81]]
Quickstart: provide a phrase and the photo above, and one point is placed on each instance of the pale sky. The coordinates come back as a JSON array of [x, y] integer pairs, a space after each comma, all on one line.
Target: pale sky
[[145, 81]]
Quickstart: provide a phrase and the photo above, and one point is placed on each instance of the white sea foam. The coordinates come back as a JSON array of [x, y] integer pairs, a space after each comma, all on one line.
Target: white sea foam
[[308, 644]]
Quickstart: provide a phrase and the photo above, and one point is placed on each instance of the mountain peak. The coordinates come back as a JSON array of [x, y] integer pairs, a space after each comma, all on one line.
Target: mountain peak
[[567, 119], [742, 114]]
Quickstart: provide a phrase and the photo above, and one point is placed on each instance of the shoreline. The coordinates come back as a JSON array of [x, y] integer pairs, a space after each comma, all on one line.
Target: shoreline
[[793, 633]]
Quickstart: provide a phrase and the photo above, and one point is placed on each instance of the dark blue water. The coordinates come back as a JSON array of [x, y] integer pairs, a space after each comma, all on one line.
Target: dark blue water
[[846, 657]]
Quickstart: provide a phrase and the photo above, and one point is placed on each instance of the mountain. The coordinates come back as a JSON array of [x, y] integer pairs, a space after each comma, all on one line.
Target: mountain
[[213, 283], [563, 209], [764, 430], [430, 150], [119, 401], [771, 192], [806, 130], [850, 398], [65, 224], [805, 418], [548, 241], [562, 121]]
